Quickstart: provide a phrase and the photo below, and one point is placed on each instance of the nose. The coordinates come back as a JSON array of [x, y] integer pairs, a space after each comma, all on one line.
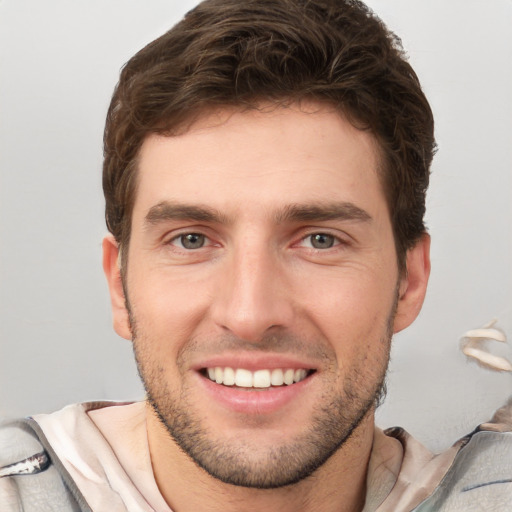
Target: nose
[[253, 297]]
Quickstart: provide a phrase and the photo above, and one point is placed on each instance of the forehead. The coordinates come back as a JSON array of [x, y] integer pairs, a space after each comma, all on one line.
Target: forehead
[[230, 159]]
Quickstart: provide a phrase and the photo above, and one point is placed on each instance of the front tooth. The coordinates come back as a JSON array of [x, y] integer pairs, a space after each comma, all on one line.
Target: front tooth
[[261, 379], [243, 378], [219, 375], [299, 375], [288, 376], [277, 377], [229, 376]]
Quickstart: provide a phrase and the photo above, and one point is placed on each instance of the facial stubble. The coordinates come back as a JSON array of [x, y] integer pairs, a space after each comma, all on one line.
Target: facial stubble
[[335, 418]]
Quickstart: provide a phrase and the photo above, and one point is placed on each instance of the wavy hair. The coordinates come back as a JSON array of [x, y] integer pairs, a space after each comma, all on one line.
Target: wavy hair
[[233, 53]]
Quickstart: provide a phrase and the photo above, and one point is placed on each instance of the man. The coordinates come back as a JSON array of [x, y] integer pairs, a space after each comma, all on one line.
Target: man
[[265, 171]]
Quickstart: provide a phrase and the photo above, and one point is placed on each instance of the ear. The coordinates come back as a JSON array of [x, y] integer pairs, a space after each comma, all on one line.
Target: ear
[[413, 284], [112, 269]]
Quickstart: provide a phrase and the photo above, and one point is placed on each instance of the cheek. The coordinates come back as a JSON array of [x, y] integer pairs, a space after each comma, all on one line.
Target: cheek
[[352, 312], [167, 308]]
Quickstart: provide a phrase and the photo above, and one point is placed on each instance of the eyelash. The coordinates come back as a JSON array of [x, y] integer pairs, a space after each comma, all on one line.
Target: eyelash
[[336, 241], [181, 236]]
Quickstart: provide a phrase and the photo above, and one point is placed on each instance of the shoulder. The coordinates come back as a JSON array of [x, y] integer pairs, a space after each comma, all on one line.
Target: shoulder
[[31, 477], [480, 477]]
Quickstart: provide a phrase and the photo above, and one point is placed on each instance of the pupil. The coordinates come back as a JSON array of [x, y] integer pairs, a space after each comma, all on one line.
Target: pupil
[[322, 241], [192, 241]]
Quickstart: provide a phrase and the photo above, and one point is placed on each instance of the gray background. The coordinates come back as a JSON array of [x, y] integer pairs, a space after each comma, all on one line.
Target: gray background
[[59, 61]]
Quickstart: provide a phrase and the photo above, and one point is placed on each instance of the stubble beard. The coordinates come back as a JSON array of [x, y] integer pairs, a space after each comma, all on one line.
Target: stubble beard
[[334, 419]]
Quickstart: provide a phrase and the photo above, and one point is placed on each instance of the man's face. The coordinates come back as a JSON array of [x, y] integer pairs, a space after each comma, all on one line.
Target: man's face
[[262, 284]]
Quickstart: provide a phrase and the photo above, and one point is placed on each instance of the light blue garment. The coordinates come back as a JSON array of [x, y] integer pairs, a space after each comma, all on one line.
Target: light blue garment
[[480, 478], [44, 486]]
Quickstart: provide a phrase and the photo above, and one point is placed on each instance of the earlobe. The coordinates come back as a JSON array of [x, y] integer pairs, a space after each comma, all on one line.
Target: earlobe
[[112, 270], [413, 285]]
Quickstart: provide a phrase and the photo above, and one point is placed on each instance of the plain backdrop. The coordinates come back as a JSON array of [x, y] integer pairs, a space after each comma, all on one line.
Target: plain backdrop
[[59, 62]]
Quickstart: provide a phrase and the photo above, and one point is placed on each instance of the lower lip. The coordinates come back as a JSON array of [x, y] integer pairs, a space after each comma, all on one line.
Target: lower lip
[[254, 400]]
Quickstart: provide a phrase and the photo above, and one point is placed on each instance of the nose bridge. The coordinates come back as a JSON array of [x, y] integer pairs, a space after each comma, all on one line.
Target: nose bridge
[[253, 298]]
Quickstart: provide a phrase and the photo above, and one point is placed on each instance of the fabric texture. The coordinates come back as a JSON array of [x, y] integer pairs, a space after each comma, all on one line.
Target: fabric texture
[[91, 465], [50, 489]]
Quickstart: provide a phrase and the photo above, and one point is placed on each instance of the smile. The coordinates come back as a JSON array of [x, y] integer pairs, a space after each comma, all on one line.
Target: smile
[[243, 378]]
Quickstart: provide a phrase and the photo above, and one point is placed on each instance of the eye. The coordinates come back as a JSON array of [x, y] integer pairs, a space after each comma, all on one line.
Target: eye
[[321, 240], [190, 241]]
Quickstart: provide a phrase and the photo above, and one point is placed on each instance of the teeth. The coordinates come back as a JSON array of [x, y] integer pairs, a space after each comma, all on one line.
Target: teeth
[[299, 375], [243, 378], [288, 377], [258, 379], [229, 377], [277, 378], [261, 379]]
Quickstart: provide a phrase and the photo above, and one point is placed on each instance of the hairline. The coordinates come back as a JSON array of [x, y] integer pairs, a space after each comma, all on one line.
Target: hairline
[[183, 126]]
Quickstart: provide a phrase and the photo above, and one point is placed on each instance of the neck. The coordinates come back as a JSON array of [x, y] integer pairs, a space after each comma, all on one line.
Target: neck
[[338, 485]]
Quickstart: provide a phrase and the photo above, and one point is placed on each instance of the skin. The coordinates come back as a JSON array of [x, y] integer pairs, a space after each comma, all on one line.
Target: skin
[[259, 293]]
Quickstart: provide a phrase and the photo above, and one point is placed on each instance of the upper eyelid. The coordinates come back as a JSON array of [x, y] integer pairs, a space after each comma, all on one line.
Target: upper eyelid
[[174, 244], [184, 233], [304, 233], [172, 234], [338, 240], [342, 236]]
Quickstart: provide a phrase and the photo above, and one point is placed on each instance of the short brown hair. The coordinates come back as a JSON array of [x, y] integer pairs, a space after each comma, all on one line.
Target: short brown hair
[[234, 53]]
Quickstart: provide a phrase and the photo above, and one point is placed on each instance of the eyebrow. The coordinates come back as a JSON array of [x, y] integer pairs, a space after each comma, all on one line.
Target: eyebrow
[[166, 211], [344, 211], [322, 212]]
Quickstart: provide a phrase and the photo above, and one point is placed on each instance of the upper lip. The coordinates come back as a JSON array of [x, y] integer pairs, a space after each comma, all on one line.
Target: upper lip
[[254, 362]]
